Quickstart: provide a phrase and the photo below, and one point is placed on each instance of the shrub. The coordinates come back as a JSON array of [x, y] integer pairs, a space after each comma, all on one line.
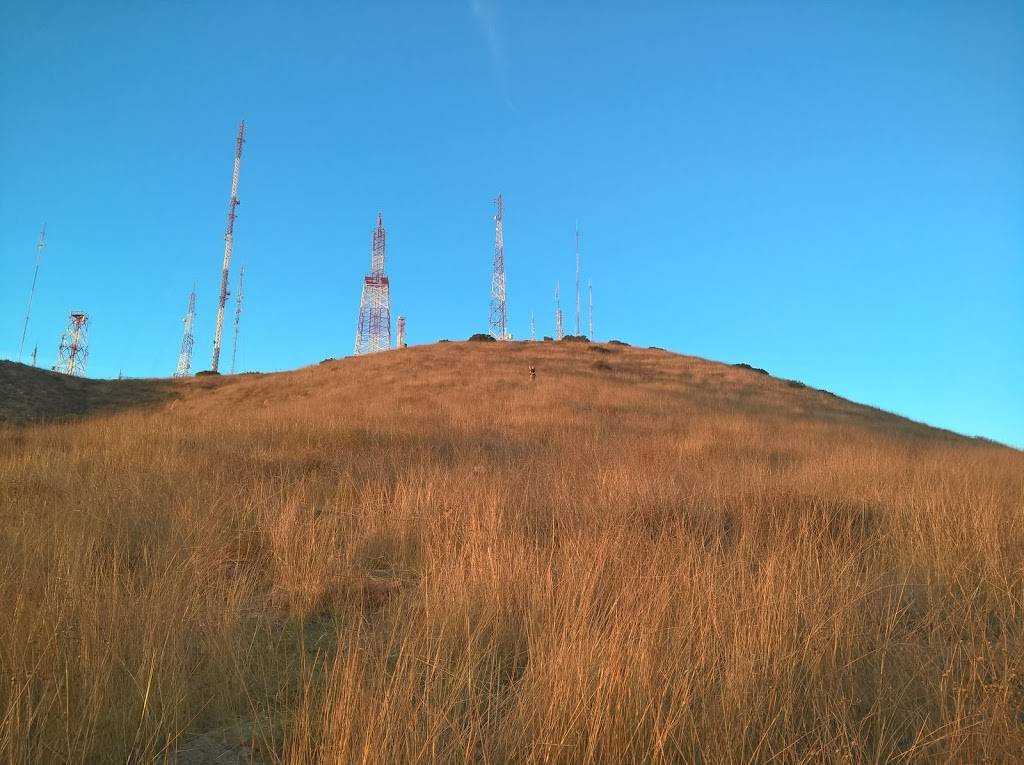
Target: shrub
[[760, 371], [618, 342], [575, 339], [207, 373], [481, 337]]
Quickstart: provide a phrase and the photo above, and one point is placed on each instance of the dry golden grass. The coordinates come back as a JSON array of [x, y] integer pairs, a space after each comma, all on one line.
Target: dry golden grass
[[422, 556]]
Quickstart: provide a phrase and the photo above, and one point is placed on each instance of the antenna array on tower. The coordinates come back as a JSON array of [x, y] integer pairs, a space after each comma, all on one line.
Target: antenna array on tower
[[229, 236]]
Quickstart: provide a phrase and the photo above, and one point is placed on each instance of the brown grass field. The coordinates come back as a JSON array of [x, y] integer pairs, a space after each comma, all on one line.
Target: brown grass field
[[421, 556]]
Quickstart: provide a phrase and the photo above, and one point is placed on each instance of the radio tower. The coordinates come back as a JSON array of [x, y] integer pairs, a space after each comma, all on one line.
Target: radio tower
[[499, 316], [185, 354], [590, 309], [374, 330], [74, 346], [533, 328], [238, 319], [401, 332], [39, 256], [228, 237], [578, 332], [35, 350], [558, 314]]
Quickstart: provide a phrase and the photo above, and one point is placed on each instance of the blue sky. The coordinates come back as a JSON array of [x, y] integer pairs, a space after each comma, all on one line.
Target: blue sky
[[832, 191]]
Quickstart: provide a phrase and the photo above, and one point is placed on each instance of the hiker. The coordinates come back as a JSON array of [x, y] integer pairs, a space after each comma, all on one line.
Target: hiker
[[533, 373]]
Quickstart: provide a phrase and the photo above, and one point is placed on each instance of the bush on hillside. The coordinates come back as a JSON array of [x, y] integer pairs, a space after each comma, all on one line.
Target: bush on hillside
[[760, 371], [481, 337], [207, 373], [618, 342], [575, 339]]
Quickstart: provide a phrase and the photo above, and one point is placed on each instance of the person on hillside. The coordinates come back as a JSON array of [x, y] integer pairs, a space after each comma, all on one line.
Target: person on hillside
[[533, 373]]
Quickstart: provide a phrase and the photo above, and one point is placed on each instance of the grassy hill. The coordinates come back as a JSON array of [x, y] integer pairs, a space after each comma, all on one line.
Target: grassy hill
[[423, 556]]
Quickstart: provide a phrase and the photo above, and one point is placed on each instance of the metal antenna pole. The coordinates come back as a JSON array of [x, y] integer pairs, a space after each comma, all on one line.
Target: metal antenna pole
[[578, 332], [229, 235], [35, 274], [238, 318], [590, 309], [558, 314]]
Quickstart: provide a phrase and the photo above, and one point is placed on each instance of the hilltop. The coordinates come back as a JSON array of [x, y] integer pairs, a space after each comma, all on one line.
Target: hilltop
[[424, 556]]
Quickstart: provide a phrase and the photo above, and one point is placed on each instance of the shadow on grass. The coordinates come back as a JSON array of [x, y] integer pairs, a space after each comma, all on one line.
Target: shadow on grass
[[30, 395]]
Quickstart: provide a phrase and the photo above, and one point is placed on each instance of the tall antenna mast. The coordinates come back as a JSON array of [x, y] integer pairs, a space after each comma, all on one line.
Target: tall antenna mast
[[578, 331], [39, 256], [373, 333], [590, 309], [558, 314], [228, 237], [499, 316], [187, 338], [238, 318], [533, 328]]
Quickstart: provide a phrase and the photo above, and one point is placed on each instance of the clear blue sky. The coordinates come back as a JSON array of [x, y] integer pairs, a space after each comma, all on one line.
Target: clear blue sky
[[832, 191]]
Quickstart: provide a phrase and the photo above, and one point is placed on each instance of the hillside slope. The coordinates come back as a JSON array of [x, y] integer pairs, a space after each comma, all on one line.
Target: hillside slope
[[424, 556]]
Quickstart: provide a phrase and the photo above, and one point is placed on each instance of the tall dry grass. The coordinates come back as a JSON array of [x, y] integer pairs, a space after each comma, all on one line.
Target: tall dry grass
[[423, 557]]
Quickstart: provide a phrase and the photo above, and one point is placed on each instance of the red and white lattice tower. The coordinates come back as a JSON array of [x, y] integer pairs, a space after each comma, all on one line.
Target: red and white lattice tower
[[558, 314], [373, 333], [229, 236], [401, 332], [498, 321], [187, 338], [74, 346]]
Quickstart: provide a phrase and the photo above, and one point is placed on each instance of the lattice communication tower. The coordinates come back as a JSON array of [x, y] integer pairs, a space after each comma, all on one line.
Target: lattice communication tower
[[74, 346], [401, 332], [184, 367], [229, 236], [498, 321], [373, 333]]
